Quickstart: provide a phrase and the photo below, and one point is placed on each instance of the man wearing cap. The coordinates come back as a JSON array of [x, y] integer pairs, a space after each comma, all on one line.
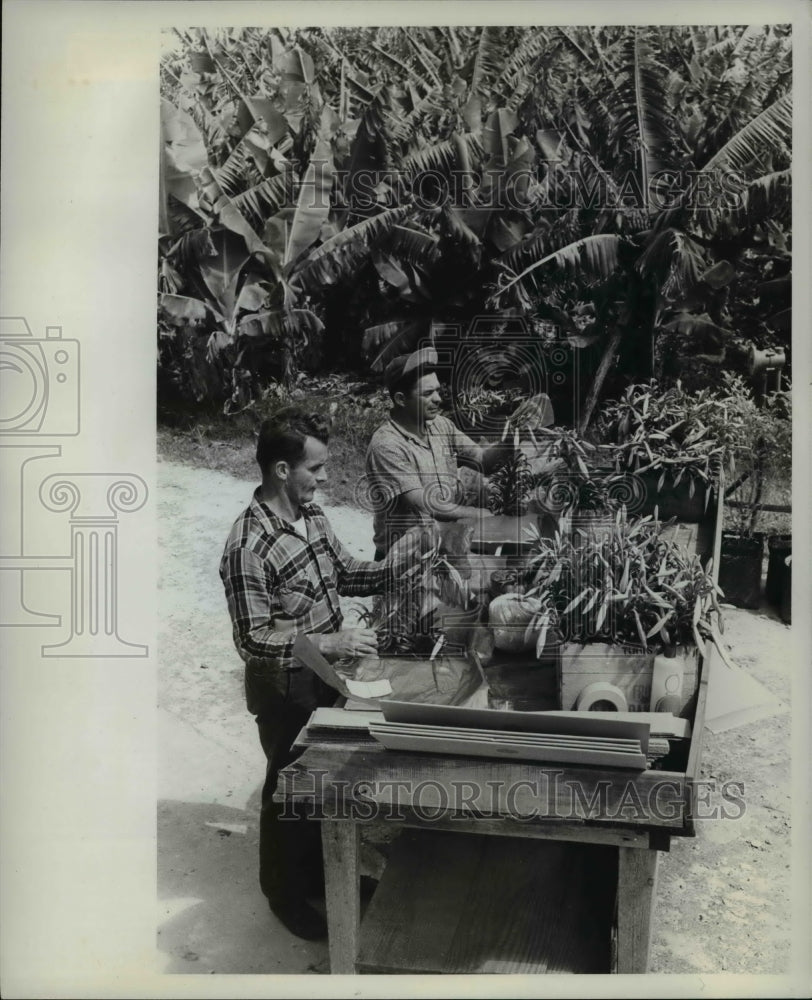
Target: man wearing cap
[[412, 459]]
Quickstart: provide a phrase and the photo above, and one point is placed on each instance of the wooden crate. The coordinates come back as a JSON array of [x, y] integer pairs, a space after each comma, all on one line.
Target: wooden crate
[[627, 671]]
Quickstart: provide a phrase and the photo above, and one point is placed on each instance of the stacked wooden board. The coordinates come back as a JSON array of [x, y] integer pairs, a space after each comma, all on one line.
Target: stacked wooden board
[[567, 738], [552, 747]]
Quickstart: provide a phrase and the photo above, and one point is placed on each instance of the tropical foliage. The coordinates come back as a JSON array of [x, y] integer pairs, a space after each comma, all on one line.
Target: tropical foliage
[[329, 197]]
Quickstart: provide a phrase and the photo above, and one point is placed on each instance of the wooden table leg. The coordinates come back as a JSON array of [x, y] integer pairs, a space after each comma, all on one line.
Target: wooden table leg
[[636, 890], [340, 840]]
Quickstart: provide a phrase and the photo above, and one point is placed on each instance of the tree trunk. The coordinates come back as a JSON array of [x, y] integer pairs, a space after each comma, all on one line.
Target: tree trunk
[[607, 361]]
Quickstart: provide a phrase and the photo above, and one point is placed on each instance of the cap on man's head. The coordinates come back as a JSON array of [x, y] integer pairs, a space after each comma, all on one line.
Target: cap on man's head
[[424, 361]]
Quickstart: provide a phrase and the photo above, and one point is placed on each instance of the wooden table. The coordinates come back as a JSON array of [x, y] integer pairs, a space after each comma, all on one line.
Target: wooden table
[[556, 820], [348, 785]]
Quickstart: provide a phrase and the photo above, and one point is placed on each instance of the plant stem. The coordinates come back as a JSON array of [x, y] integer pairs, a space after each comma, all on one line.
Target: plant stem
[[607, 361]]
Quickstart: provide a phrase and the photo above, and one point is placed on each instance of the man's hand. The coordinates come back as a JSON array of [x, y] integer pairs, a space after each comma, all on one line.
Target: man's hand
[[348, 642]]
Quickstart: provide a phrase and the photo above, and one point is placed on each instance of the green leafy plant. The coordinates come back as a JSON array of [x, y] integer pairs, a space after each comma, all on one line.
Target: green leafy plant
[[510, 486], [758, 447], [666, 431], [632, 587], [475, 405], [576, 485], [570, 153], [406, 618]]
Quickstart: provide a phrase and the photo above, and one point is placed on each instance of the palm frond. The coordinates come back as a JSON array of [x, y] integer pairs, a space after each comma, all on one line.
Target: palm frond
[[385, 341], [533, 45], [596, 256], [322, 262], [412, 245], [489, 58], [260, 202], [441, 157], [773, 127], [768, 197]]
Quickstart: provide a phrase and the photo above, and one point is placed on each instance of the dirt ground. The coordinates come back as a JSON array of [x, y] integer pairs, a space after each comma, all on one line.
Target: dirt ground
[[723, 903]]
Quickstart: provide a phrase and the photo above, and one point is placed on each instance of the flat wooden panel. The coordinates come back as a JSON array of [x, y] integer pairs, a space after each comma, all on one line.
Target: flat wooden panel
[[482, 904], [340, 846], [332, 778], [636, 890], [540, 830]]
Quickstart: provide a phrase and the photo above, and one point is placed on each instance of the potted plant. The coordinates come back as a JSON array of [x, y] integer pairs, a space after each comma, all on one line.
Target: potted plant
[[665, 437], [585, 497], [429, 606], [616, 601], [778, 589], [758, 441], [510, 486]]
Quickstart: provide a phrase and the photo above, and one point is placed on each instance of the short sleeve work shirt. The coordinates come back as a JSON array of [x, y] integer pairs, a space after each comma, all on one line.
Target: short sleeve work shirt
[[398, 462]]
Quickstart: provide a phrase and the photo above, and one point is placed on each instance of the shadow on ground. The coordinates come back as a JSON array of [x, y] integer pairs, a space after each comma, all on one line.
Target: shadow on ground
[[212, 916]]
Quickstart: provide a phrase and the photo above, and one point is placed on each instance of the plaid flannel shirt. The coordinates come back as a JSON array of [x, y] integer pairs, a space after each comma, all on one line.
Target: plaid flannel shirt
[[278, 585]]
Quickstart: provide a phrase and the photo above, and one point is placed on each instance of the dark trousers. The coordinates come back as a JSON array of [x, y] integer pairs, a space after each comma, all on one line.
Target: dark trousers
[[290, 862]]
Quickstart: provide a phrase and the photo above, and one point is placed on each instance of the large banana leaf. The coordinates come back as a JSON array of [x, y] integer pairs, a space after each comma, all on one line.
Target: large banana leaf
[[442, 157], [264, 200], [183, 139], [221, 272], [313, 203], [365, 233], [692, 325], [262, 107], [593, 256], [182, 156], [182, 309], [274, 324], [643, 118], [773, 127], [385, 341], [533, 45], [673, 252], [500, 126], [767, 197], [413, 245], [489, 58]]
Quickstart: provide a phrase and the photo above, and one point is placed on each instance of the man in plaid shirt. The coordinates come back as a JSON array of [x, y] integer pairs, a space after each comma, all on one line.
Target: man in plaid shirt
[[283, 568]]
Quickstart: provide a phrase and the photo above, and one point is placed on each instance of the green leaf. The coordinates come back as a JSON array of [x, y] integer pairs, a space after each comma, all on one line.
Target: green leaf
[[388, 340], [183, 309], [489, 59], [575, 601], [541, 642], [313, 203], [593, 256], [262, 107], [773, 127]]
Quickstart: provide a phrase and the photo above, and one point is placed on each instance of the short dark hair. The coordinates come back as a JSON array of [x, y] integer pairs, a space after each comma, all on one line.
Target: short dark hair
[[282, 436], [407, 382]]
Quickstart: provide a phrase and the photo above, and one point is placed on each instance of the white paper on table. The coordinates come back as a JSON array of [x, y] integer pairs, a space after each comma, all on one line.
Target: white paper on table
[[369, 689]]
